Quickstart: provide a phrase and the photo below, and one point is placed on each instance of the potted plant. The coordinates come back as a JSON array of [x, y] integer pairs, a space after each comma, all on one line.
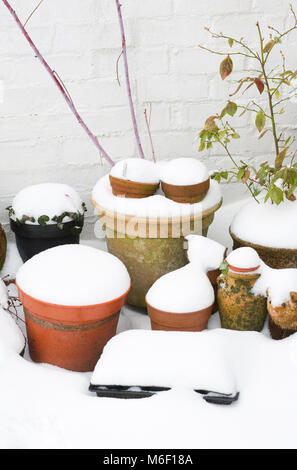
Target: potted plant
[[45, 215], [264, 222], [239, 307], [185, 180], [134, 178], [71, 313], [181, 300]]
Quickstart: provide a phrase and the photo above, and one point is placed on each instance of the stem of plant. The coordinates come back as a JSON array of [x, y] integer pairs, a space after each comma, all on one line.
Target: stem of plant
[[150, 135], [58, 83], [132, 111]]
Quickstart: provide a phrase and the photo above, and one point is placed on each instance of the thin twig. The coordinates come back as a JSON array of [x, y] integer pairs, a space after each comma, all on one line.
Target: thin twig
[[148, 123], [32, 13], [117, 68], [60, 86], [132, 111]]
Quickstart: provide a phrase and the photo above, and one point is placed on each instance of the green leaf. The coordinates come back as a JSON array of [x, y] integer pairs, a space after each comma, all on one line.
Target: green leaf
[[43, 219], [224, 267], [276, 195], [260, 120], [269, 46], [235, 135], [230, 42], [226, 67], [280, 158], [262, 134], [231, 108]]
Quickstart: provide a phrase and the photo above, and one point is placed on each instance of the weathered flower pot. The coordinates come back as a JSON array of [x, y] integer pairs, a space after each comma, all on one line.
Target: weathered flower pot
[[239, 308], [168, 321], [283, 318], [186, 194], [278, 258], [157, 249], [69, 337], [33, 239], [132, 189], [3, 246]]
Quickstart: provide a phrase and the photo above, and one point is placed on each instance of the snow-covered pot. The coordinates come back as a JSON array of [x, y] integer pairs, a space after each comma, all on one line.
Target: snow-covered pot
[[239, 307], [3, 246], [185, 180], [71, 311], [44, 216], [147, 235], [181, 300], [134, 178], [270, 230], [283, 318]]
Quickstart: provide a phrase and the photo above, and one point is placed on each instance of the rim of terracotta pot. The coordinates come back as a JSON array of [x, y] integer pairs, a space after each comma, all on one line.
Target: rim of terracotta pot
[[52, 305], [252, 275], [132, 188], [260, 247], [180, 316], [186, 193], [243, 270]]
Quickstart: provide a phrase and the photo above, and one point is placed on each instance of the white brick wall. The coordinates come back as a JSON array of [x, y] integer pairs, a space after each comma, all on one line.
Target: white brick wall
[[40, 139]]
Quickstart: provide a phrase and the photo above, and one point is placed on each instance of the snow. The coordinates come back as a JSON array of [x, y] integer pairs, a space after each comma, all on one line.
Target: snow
[[42, 406], [153, 206], [184, 172], [277, 283], [205, 252], [185, 290], [244, 258], [136, 169], [267, 224], [53, 276], [51, 199], [3, 295], [11, 337], [165, 359]]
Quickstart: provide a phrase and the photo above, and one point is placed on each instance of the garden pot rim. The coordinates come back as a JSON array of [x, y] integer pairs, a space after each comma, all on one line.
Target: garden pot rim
[[260, 247], [189, 186], [178, 314], [243, 270], [250, 276], [131, 182], [47, 231], [52, 305]]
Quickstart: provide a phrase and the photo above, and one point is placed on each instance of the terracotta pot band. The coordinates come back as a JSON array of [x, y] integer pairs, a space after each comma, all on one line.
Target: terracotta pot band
[[71, 328]]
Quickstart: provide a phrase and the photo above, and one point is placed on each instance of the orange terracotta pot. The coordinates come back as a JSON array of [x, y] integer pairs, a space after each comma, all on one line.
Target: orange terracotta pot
[[168, 321], [186, 194], [132, 189], [69, 337], [243, 270]]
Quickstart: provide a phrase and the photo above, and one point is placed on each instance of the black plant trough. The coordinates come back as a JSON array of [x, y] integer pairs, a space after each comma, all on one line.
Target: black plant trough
[[33, 239]]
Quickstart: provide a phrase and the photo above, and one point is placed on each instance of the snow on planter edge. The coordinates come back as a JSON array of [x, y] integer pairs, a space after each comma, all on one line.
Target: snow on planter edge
[[74, 275], [205, 252], [137, 170]]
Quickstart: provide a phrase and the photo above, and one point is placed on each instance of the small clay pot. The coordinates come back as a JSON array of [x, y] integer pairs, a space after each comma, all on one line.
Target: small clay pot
[[239, 308], [69, 337], [283, 318], [243, 270], [132, 189], [186, 194], [278, 258], [3, 246], [168, 321]]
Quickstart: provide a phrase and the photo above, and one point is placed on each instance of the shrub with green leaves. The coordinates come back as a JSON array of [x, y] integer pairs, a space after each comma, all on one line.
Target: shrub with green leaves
[[279, 180]]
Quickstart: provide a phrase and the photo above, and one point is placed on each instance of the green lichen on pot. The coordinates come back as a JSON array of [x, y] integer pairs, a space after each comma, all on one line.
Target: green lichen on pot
[[239, 308], [3, 247], [278, 258]]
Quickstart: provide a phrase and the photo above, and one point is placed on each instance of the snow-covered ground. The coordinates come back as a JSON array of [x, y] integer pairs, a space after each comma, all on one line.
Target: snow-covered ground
[[47, 407]]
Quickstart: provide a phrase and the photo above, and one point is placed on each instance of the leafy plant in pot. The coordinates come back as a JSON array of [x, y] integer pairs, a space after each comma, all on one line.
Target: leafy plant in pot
[[268, 222], [46, 215]]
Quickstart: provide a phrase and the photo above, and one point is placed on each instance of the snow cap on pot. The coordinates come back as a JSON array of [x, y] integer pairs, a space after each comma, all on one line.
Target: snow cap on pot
[[134, 178], [243, 260], [72, 296], [185, 180], [46, 215], [204, 252], [181, 300]]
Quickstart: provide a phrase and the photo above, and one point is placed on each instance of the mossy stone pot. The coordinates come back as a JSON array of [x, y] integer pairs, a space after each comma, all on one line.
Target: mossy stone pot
[[239, 308], [278, 258], [3, 247], [186, 194], [157, 249], [132, 189], [168, 321], [283, 318]]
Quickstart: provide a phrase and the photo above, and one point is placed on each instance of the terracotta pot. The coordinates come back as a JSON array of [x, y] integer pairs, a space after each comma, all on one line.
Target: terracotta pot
[[277, 258], [69, 337], [283, 318], [243, 270], [186, 194], [168, 321], [3, 246], [157, 250], [132, 189], [239, 308], [213, 276]]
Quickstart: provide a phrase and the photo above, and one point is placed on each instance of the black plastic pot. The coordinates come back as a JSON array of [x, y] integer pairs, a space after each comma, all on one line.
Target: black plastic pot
[[32, 239]]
